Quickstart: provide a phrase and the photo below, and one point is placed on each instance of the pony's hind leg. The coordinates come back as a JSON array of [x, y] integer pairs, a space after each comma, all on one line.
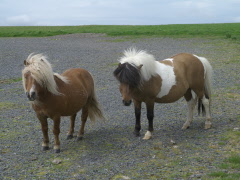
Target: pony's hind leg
[[206, 104], [83, 119], [191, 99], [72, 125]]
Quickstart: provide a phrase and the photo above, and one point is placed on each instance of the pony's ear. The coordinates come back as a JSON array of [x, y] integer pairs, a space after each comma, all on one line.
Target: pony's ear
[[140, 66], [119, 64]]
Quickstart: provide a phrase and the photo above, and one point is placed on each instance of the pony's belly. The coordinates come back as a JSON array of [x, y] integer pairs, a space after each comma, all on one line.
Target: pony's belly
[[67, 108], [71, 109], [169, 98], [166, 100]]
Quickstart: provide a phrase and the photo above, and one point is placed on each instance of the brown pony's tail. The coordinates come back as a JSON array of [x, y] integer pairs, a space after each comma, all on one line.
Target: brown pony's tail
[[94, 109]]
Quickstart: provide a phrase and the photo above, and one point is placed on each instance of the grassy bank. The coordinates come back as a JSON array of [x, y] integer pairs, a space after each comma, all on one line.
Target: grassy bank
[[226, 30]]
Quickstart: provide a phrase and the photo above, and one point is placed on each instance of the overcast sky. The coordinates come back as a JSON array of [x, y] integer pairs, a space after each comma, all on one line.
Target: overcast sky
[[117, 12]]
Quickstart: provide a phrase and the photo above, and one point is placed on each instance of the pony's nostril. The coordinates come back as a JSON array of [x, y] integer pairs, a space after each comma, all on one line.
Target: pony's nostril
[[127, 103], [33, 94]]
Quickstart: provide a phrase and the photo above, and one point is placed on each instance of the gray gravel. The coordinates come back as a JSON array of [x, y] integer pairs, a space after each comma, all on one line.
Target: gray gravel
[[109, 150]]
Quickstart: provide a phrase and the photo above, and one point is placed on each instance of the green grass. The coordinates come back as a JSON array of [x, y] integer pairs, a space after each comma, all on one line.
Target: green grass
[[231, 165], [7, 105], [226, 30], [8, 81]]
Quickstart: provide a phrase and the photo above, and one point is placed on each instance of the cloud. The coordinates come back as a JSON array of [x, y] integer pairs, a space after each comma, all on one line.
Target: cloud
[[23, 20], [236, 19], [134, 12], [194, 8]]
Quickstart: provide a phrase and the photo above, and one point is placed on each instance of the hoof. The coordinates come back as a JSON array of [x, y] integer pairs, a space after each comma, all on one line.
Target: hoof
[[208, 125], [69, 136], [57, 150], [186, 126], [148, 135], [45, 148], [79, 138]]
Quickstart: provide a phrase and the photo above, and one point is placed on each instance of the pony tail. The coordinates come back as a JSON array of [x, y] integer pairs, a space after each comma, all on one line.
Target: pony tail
[[207, 84], [94, 109], [201, 108], [207, 76]]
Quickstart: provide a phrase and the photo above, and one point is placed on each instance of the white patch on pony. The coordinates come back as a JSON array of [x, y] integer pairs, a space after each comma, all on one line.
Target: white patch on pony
[[168, 77], [32, 89], [194, 95], [148, 135], [169, 59]]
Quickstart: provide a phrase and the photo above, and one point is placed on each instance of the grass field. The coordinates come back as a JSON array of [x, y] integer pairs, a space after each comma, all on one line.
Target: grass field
[[225, 30]]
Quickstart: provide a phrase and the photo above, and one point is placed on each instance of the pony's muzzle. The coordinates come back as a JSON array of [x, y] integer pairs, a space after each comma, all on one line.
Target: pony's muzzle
[[31, 96], [127, 103]]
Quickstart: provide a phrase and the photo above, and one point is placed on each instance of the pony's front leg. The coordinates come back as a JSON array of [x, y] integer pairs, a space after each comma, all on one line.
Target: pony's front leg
[[150, 116], [56, 132], [84, 117], [44, 125], [72, 125], [137, 109]]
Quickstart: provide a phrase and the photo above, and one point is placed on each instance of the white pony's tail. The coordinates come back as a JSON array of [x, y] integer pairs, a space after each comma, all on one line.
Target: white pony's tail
[[207, 79]]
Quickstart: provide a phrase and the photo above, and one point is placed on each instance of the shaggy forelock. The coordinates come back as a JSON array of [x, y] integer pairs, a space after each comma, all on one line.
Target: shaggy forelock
[[128, 74], [41, 71]]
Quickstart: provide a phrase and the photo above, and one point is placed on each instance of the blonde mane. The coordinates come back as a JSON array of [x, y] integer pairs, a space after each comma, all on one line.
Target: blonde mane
[[138, 58], [42, 72]]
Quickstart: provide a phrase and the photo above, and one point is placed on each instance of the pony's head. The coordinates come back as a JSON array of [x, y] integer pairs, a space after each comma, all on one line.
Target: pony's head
[[38, 77], [129, 77], [134, 69]]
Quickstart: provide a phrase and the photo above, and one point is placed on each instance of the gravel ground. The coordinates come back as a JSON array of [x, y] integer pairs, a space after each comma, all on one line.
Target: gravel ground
[[109, 150]]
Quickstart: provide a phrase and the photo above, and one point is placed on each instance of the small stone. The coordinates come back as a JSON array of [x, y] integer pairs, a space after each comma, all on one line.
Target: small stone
[[57, 161], [173, 142], [125, 177], [196, 176], [34, 158]]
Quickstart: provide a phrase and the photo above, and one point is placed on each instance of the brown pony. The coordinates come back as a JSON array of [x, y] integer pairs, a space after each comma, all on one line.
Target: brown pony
[[55, 95], [144, 79]]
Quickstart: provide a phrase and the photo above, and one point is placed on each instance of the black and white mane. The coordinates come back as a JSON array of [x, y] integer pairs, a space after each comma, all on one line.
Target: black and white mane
[[134, 67]]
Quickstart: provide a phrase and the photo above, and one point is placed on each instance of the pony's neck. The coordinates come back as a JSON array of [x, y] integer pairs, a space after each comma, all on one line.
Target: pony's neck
[[46, 94], [59, 82]]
